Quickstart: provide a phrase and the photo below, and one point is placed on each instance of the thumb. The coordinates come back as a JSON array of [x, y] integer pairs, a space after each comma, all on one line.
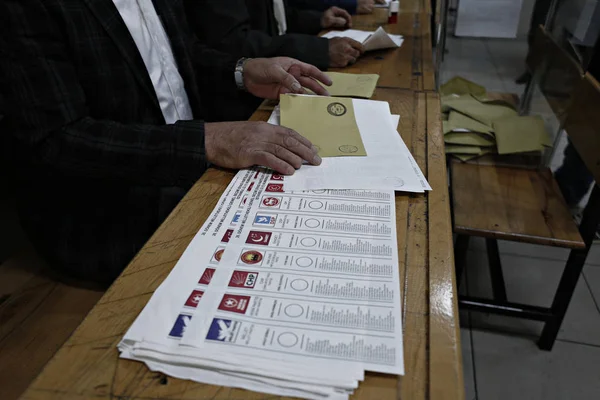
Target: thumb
[[287, 80]]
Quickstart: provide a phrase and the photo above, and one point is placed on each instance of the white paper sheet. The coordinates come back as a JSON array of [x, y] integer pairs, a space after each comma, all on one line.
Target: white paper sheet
[[358, 276], [371, 40], [388, 164]]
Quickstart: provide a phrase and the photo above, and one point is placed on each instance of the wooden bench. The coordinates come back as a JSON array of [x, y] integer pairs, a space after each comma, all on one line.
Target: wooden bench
[[526, 206]]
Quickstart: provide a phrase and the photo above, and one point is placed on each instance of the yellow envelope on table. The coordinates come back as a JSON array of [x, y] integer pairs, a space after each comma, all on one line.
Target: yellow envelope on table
[[457, 120], [352, 85], [468, 139], [485, 113], [460, 85], [329, 123], [521, 134]]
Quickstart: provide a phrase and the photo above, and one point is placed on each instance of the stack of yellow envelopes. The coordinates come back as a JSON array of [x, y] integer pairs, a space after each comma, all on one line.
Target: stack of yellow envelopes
[[475, 125]]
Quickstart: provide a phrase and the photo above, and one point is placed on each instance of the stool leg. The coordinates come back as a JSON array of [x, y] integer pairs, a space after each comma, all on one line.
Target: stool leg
[[570, 277], [496, 275], [460, 255]]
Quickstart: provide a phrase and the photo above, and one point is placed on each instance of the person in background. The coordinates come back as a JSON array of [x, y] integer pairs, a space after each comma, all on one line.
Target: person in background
[[269, 28], [352, 6], [103, 110]]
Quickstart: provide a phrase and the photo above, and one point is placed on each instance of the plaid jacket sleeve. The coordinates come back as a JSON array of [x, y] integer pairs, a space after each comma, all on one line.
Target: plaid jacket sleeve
[[47, 110]]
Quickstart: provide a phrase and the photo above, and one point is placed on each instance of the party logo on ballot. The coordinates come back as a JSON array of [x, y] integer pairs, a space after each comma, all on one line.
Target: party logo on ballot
[[181, 323], [243, 279], [221, 330], [259, 238], [234, 303], [194, 299]]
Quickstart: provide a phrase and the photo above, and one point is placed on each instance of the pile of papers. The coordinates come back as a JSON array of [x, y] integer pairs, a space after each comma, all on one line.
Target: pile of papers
[[287, 293], [475, 125], [371, 40], [387, 165]]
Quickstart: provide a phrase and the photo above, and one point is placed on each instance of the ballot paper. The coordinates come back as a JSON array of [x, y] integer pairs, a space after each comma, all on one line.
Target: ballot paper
[[292, 294], [385, 5], [371, 40], [388, 165]]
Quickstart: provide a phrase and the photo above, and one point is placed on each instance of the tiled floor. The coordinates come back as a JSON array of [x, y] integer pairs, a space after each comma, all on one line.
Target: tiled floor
[[501, 359]]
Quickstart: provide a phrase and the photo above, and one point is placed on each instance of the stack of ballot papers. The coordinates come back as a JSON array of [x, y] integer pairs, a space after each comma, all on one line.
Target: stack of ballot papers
[[287, 293], [376, 40], [358, 141], [475, 125]]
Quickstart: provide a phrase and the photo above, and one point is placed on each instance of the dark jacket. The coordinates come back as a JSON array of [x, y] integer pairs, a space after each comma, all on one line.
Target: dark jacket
[[248, 28], [322, 5], [98, 167]]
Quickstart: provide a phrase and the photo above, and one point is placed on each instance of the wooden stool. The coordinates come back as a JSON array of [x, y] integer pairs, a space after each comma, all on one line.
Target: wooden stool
[[526, 206]]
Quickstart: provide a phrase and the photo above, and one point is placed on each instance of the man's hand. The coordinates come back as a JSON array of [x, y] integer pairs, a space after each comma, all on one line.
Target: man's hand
[[336, 17], [344, 51], [269, 77], [244, 144], [366, 6]]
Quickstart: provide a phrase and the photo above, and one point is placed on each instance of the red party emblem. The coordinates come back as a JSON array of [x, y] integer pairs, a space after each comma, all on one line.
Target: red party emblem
[[251, 186], [270, 201], [275, 187], [194, 298], [276, 177], [227, 236], [219, 254], [206, 276], [259, 238], [243, 279], [251, 257], [234, 303]]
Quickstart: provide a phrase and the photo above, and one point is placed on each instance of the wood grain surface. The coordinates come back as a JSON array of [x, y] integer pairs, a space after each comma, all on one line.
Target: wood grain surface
[[511, 204], [408, 67], [87, 366]]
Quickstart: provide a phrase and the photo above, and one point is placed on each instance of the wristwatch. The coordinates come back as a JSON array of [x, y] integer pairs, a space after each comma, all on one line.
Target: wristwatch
[[239, 73]]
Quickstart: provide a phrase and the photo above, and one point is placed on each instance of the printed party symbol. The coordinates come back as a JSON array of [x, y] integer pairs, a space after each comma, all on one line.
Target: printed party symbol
[[260, 238], [262, 219], [236, 218], [219, 254], [221, 330], [251, 257], [274, 187], [234, 303], [270, 201], [207, 276], [243, 279], [227, 236], [276, 177], [179, 326], [194, 298], [251, 186]]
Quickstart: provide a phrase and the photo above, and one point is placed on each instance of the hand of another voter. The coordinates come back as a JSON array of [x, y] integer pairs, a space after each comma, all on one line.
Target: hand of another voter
[[344, 51], [365, 6], [244, 144], [267, 78], [336, 17]]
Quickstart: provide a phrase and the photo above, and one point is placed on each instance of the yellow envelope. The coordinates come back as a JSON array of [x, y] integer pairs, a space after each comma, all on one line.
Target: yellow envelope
[[459, 149], [482, 112], [467, 157], [329, 123], [351, 85], [460, 85], [460, 121], [468, 139], [521, 134]]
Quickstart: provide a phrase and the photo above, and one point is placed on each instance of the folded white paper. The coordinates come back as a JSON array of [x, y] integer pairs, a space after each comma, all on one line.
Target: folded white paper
[[376, 40]]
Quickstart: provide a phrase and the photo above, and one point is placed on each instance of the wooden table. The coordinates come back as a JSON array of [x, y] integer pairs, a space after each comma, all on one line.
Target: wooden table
[[408, 67], [87, 366]]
